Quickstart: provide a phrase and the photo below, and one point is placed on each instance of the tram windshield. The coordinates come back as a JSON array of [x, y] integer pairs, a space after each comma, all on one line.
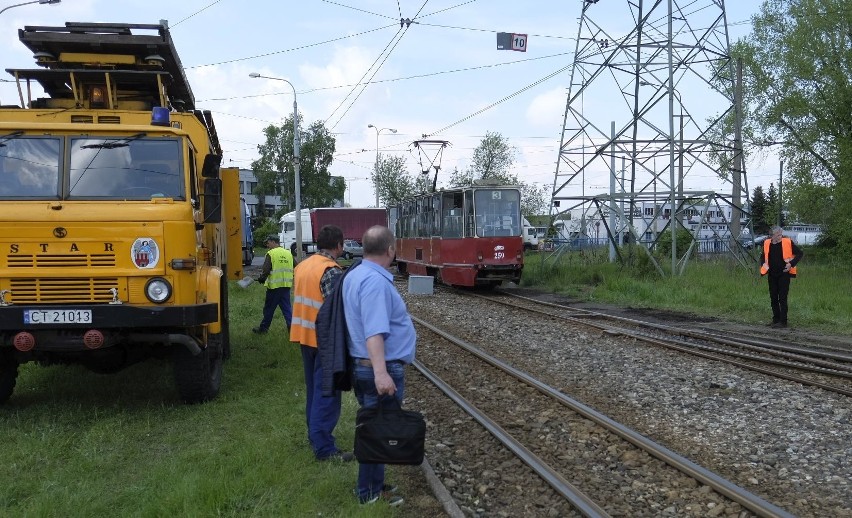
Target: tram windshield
[[498, 212]]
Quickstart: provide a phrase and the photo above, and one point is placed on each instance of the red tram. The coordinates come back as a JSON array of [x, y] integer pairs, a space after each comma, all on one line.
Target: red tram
[[466, 236]]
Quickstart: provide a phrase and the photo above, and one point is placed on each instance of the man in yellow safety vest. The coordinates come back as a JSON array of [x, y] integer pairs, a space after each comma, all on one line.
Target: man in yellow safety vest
[[277, 276]]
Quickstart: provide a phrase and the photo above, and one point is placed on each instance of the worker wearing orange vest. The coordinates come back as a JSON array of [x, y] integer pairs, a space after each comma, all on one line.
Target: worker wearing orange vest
[[780, 256], [315, 278]]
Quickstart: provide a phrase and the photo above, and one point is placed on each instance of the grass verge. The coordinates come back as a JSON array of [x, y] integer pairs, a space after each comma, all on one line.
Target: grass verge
[[820, 296], [76, 443]]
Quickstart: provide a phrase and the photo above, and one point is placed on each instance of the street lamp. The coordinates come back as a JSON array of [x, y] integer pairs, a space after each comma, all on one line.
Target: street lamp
[[32, 2], [375, 180], [296, 149]]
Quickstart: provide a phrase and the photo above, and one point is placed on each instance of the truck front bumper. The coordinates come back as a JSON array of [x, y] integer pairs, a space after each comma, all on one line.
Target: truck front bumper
[[110, 316]]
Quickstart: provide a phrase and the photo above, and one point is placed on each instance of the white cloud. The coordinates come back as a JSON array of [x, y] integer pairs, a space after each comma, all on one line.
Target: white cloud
[[547, 109]]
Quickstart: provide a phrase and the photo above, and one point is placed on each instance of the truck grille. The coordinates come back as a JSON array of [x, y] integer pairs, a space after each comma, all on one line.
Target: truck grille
[[60, 261], [48, 291]]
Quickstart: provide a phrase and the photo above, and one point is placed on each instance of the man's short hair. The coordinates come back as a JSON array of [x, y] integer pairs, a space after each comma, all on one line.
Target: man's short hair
[[329, 237], [273, 237], [377, 239]]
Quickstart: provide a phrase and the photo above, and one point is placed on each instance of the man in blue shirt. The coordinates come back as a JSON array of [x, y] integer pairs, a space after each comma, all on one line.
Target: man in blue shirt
[[381, 343]]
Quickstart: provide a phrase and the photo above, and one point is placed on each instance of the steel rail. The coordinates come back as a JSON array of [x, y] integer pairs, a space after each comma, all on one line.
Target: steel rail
[[691, 348], [578, 499], [723, 486], [754, 345]]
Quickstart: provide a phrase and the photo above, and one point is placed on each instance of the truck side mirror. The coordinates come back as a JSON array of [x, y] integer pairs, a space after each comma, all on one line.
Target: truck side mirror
[[211, 200], [210, 169]]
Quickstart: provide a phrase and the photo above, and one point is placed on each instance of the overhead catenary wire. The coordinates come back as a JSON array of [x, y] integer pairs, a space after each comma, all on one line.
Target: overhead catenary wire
[[361, 10], [193, 14], [292, 49], [385, 53], [393, 79], [377, 68], [504, 99]]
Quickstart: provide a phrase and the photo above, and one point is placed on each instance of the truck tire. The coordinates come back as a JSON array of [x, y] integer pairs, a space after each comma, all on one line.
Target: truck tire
[[8, 375], [199, 377]]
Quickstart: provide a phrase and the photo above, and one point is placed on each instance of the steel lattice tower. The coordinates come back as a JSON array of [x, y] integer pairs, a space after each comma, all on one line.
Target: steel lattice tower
[[649, 108]]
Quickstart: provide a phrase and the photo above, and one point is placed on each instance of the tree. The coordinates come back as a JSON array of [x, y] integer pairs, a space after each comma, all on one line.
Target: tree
[[798, 61], [773, 207], [493, 159], [758, 211], [394, 183], [275, 172]]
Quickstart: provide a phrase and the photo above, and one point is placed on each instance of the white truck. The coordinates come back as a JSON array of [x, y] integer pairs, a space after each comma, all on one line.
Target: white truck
[[530, 236]]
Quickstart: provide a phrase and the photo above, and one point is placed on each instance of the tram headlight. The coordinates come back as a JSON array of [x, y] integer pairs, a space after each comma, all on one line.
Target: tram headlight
[[158, 290]]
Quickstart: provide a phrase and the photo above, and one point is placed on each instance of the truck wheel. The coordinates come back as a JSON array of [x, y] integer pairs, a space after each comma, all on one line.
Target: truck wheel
[[199, 377], [8, 375]]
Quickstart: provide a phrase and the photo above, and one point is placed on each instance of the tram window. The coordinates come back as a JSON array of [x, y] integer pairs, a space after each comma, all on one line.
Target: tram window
[[435, 215], [451, 213], [497, 212], [470, 228]]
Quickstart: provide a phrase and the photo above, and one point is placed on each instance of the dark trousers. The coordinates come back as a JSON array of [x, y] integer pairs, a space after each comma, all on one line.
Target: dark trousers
[[371, 477], [779, 287], [276, 298], [321, 413]]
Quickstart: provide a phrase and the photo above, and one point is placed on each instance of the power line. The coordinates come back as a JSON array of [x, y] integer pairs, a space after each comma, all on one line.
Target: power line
[[362, 10], [193, 14], [446, 9], [391, 80], [386, 54], [301, 47], [483, 110]]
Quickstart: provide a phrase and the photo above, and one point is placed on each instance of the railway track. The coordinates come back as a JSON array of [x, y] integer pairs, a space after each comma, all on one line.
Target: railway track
[[830, 370], [590, 461]]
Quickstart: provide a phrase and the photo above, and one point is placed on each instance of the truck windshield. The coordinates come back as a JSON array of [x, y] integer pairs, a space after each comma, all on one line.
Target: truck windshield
[[29, 167], [130, 168], [498, 212]]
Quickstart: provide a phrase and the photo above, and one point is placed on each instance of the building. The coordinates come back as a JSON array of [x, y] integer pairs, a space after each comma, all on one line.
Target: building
[[248, 183], [273, 204]]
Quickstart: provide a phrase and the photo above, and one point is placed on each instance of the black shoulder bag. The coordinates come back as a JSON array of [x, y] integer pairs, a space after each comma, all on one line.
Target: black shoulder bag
[[389, 435]]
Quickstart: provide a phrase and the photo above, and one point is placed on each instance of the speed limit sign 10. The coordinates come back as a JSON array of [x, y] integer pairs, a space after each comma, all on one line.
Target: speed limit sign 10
[[511, 41], [519, 42]]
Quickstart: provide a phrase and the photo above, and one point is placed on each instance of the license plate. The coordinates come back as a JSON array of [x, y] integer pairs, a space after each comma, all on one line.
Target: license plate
[[58, 316]]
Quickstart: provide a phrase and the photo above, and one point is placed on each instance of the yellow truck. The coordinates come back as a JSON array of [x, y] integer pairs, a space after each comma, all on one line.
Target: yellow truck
[[116, 221]]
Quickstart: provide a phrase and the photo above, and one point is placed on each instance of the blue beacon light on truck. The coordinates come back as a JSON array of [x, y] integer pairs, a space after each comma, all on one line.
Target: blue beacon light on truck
[[160, 116]]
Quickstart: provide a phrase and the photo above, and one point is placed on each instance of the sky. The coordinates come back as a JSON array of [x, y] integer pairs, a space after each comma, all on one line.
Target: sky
[[441, 75]]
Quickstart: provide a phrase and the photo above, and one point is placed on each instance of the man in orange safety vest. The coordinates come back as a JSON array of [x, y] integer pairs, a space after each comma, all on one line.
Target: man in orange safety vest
[[780, 256]]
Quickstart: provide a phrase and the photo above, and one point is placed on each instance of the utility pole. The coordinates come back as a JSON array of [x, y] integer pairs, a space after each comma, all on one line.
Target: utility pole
[[780, 204]]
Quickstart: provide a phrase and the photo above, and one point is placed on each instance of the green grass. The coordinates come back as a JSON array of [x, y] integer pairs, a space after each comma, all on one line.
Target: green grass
[[77, 443], [820, 297]]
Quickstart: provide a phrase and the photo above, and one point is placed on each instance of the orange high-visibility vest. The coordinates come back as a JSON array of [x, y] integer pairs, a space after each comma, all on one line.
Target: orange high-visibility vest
[[307, 298], [786, 253]]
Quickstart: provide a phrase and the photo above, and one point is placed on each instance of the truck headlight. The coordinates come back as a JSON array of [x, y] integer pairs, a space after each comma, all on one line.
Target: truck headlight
[[158, 290]]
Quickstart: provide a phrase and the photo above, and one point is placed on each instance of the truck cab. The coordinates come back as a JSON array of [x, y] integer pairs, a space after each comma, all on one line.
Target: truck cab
[[116, 220], [530, 235]]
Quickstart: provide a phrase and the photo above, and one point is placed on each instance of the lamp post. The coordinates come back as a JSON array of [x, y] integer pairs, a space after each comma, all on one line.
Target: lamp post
[[375, 180], [296, 150], [28, 3]]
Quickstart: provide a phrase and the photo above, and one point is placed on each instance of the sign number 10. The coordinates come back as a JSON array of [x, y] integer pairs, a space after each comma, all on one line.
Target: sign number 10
[[519, 42]]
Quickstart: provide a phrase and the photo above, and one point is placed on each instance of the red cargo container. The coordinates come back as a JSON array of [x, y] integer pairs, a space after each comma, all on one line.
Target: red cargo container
[[354, 222]]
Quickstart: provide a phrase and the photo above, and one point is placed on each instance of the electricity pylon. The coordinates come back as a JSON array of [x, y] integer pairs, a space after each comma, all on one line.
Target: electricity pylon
[[657, 97]]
